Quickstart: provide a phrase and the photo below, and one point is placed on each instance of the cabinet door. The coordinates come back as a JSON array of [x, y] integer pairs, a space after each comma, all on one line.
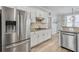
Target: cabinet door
[[69, 41], [48, 35], [33, 39], [39, 37], [45, 20]]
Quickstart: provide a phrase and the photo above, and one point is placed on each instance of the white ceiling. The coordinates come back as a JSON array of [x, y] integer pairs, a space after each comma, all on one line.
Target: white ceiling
[[61, 9]]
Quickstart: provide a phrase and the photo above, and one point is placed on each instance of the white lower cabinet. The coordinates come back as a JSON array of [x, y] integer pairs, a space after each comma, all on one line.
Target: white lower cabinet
[[39, 37], [48, 34], [33, 39]]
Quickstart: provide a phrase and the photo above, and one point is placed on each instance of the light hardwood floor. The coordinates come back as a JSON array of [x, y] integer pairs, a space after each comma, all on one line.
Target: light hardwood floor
[[51, 45]]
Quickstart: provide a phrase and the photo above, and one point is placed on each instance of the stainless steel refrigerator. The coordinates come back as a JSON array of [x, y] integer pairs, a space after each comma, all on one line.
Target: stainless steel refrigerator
[[14, 39]]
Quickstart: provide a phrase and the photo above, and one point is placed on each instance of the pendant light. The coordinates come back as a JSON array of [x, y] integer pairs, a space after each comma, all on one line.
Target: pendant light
[[72, 18]]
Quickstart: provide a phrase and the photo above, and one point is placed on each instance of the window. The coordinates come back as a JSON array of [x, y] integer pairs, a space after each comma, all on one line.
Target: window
[[69, 21], [72, 23], [77, 21]]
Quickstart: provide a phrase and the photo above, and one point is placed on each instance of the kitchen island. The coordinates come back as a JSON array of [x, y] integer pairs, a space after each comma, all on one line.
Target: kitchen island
[[69, 38]]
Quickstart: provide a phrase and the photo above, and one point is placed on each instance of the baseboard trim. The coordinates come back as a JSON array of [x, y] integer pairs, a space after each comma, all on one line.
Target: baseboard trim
[[67, 49]]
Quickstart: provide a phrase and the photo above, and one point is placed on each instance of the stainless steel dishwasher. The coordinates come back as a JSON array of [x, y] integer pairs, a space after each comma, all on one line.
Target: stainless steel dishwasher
[[68, 40]]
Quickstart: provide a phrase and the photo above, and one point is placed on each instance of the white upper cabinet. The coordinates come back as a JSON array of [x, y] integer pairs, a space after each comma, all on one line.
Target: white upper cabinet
[[45, 20], [38, 13]]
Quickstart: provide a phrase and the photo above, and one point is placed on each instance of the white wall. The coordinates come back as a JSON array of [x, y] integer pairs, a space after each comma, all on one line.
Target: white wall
[[54, 24], [60, 21]]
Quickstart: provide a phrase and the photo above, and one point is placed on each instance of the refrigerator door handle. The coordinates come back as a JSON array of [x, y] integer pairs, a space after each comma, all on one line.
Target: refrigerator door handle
[[16, 44]]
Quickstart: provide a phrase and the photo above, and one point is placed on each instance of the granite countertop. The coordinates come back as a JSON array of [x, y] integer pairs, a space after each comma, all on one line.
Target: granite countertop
[[70, 29], [38, 29]]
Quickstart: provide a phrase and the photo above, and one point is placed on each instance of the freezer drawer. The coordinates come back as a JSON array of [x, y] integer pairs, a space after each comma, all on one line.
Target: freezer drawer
[[23, 46], [68, 41]]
